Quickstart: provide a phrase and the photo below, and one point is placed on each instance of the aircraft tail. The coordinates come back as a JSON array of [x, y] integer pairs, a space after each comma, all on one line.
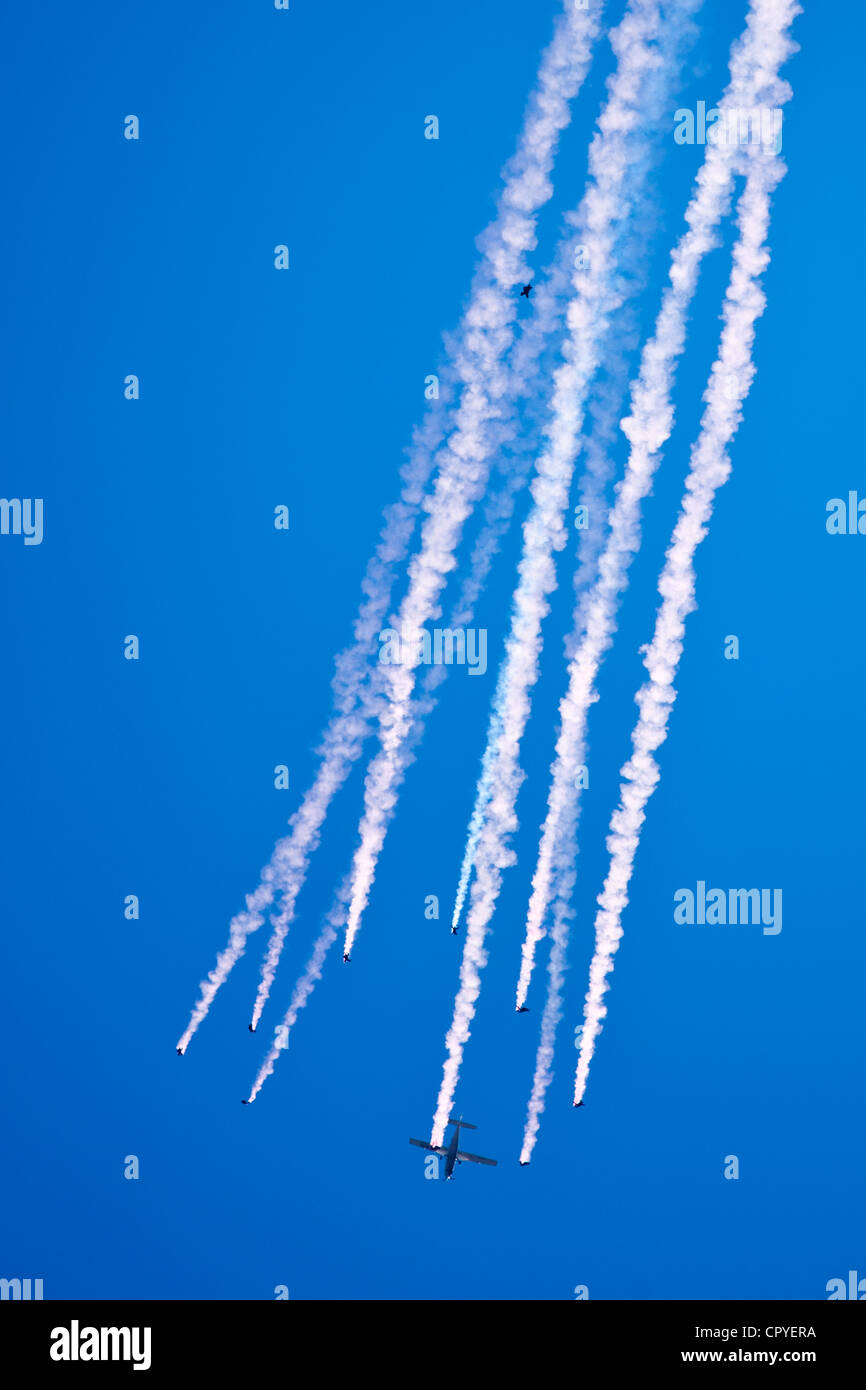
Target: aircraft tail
[[464, 1124]]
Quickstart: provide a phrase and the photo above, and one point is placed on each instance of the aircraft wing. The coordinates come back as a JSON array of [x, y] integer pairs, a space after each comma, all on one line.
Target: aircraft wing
[[422, 1144], [476, 1158]]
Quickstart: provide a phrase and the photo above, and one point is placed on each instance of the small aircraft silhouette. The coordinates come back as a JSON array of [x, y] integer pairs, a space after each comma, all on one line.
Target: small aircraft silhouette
[[345, 957], [577, 1104], [251, 1028], [527, 290], [244, 1102], [522, 1009], [453, 931], [180, 1052], [452, 1154]]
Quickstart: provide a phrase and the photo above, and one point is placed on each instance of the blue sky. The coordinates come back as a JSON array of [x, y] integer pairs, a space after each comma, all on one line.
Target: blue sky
[[156, 777]]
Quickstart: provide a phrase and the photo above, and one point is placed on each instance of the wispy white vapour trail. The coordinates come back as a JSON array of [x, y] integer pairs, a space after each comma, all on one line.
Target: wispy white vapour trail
[[729, 384], [303, 989], [466, 461], [618, 173], [479, 811], [755, 61], [479, 346], [600, 441]]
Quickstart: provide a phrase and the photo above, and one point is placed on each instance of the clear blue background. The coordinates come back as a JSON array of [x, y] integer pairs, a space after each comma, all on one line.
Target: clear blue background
[[155, 778]]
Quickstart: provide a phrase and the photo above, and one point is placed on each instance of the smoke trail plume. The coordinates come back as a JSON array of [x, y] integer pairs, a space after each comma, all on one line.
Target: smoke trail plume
[[729, 384], [303, 989]]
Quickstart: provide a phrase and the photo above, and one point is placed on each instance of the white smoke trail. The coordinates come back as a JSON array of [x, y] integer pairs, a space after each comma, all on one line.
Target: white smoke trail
[[755, 61], [730, 380], [302, 991], [556, 967], [479, 811], [478, 349], [619, 161]]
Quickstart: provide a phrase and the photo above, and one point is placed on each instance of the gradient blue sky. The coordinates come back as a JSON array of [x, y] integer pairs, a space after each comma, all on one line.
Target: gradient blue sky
[[155, 777]]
